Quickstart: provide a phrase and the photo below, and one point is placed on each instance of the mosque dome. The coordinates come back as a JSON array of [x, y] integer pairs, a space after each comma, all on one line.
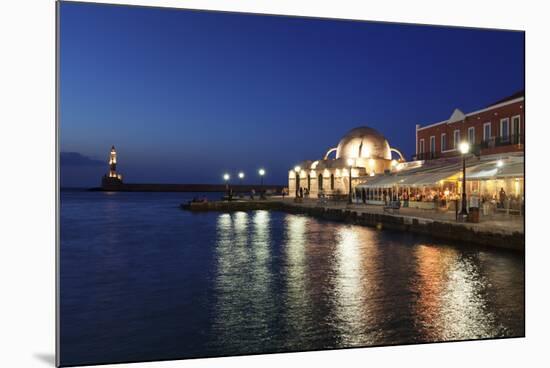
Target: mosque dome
[[363, 142]]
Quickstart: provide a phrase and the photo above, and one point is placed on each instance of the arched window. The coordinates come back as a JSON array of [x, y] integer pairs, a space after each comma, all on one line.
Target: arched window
[[320, 182], [331, 181]]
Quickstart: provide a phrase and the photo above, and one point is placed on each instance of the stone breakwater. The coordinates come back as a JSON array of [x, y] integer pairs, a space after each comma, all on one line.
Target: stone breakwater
[[454, 231], [221, 188]]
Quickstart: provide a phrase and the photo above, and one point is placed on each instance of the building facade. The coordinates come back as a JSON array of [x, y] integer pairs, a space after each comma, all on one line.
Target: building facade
[[362, 153], [496, 129]]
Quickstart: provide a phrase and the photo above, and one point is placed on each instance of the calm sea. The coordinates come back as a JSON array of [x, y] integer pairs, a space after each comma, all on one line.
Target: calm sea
[[143, 280]]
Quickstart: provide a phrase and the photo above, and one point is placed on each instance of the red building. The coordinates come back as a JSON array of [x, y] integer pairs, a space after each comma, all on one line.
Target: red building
[[498, 128]]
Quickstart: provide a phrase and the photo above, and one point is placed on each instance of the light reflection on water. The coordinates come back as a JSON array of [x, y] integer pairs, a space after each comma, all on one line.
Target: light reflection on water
[[142, 280], [351, 286]]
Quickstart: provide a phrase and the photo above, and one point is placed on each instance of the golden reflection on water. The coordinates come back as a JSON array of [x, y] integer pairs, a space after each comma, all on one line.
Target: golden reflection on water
[[351, 285], [243, 279], [260, 294], [296, 260], [451, 303], [361, 287], [301, 283], [297, 296]]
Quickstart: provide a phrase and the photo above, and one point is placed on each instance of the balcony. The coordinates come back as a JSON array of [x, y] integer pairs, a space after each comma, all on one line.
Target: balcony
[[474, 149], [503, 141]]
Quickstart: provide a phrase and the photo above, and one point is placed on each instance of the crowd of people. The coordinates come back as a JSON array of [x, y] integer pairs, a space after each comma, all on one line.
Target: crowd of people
[[441, 198], [505, 201]]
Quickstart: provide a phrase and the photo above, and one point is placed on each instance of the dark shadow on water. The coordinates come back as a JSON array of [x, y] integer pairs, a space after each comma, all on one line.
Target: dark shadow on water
[[49, 359]]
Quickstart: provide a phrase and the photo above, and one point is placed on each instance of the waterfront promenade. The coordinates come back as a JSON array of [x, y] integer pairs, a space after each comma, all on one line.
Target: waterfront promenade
[[499, 230], [501, 223]]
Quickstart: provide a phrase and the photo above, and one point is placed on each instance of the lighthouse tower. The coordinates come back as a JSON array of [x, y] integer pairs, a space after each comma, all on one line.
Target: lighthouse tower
[[113, 178], [112, 163]]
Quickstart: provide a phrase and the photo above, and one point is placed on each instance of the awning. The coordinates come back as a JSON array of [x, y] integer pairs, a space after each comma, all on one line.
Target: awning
[[491, 171], [382, 181], [425, 179], [515, 170], [481, 174], [429, 179], [512, 167]]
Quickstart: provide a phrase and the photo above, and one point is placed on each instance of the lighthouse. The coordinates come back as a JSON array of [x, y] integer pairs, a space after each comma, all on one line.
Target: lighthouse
[[112, 163], [113, 178]]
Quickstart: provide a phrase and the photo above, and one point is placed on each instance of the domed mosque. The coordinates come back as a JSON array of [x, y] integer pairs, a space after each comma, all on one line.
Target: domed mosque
[[363, 151]]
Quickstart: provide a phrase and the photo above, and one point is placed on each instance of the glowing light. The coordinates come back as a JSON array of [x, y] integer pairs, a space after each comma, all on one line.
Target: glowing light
[[372, 174], [394, 163], [500, 163], [464, 147], [367, 152], [262, 172], [297, 168], [241, 175], [226, 177]]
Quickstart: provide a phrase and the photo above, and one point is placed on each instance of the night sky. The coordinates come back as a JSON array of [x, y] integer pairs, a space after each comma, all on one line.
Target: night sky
[[188, 95]]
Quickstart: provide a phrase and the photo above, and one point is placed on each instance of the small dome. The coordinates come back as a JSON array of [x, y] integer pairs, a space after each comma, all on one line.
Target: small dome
[[363, 142]]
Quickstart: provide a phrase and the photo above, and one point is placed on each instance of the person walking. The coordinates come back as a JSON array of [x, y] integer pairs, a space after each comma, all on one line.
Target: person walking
[[501, 197]]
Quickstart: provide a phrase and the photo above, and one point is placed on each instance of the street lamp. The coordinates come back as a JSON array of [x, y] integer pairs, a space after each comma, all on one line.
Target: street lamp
[[464, 148], [262, 173], [350, 164], [241, 177], [226, 178], [297, 176]]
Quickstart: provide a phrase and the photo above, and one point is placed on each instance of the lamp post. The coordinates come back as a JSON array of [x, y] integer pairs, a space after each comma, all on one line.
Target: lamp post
[[464, 149], [297, 176], [241, 177], [261, 172], [226, 178], [350, 164]]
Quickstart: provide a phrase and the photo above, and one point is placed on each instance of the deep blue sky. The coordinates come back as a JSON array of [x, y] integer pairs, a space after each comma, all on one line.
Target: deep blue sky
[[187, 95]]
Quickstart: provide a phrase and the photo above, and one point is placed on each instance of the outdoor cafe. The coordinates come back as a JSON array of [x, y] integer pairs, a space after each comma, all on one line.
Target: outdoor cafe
[[493, 185]]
